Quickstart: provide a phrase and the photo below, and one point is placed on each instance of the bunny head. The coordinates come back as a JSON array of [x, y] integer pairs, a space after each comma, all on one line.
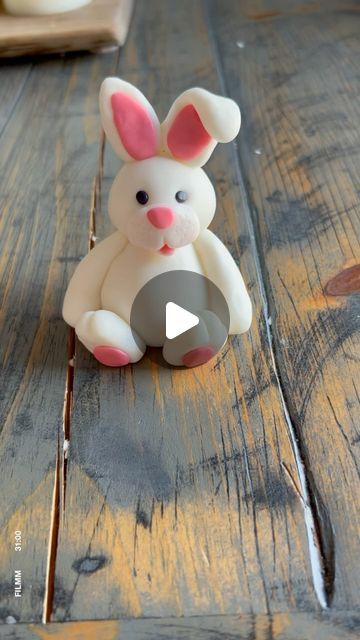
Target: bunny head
[[161, 199]]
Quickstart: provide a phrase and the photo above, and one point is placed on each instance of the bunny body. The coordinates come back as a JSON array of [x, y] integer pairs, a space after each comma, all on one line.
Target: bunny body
[[118, 294], [161, 203]]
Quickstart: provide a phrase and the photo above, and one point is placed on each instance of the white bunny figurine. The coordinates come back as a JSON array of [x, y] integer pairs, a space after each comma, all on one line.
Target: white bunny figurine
[[161, 203]]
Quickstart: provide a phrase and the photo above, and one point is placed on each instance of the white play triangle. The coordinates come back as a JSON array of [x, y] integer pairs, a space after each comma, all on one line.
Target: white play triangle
[[178, 320]]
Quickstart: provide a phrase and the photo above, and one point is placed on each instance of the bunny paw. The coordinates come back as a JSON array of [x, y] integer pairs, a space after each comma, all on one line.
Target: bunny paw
[[198, 345], [197, 356], [109, 338], [111, 356]]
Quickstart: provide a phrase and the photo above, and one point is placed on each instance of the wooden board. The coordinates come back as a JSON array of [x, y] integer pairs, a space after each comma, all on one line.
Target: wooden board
[[49, 149], [100, 24], [12, 83], [182, 493], [185, 490], [280, 626], [296, 79]]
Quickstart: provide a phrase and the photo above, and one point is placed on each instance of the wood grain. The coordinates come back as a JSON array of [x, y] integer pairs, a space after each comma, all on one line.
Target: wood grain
[[297, 81], [182, 491], [101, 23], [13, 80], [280, 626], [49, 148]]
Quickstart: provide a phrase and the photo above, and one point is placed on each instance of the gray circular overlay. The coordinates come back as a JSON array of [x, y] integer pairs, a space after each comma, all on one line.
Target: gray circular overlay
[[191, 291]]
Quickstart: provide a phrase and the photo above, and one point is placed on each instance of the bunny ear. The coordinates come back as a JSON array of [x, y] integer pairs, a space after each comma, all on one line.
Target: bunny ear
[[196, 122], [129, 120]]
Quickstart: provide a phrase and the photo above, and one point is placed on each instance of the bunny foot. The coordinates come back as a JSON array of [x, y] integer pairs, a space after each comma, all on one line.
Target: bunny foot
[[198, 345], [109, 338], [197, 356], [111, 356]]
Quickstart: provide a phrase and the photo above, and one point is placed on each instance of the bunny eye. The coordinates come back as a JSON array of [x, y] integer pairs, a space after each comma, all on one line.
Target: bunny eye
[[181, 196], [142, 197]]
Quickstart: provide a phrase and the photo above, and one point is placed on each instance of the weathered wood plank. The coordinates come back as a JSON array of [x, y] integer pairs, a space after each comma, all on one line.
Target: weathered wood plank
[[296, 77], [13, 79], [280, 626], [178, 501], [47, 164]]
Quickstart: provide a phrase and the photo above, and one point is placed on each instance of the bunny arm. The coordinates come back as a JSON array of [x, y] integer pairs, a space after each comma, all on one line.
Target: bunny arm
[[84, 290], [221, 269]]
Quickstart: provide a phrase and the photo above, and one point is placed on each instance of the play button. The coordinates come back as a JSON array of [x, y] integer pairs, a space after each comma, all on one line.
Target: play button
[[184, 314], [178, 320]]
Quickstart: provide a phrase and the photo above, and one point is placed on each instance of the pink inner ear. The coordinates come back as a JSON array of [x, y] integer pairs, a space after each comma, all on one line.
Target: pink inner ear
[[187, 136], [134, 125]]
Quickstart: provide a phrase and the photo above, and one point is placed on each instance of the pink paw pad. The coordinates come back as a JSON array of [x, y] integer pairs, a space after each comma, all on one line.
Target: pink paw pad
[[111, 356], [197, 356]]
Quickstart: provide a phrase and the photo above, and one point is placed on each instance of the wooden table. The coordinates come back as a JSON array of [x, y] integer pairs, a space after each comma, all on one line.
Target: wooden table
[[220, 502]]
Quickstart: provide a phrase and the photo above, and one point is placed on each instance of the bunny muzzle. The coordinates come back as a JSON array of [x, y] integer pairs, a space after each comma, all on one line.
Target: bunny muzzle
[[163, 228]]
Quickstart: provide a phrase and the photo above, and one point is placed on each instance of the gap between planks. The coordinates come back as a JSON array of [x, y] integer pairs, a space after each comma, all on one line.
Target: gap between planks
[[59, 493], [320, 571], [60, 476]]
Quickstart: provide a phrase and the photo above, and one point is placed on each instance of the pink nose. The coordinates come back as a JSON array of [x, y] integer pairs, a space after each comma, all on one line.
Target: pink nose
[[161, 217]]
